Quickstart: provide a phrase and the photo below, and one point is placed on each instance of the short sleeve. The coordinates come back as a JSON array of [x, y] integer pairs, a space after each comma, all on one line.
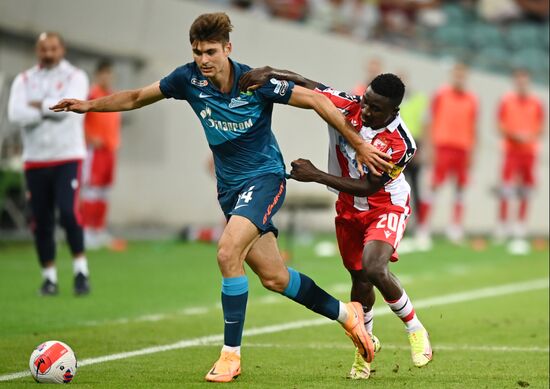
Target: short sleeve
[[349, 105], [176, 84], [276, 91]]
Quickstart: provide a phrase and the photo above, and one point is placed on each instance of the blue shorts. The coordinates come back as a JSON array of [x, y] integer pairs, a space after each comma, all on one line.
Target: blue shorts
[[257, 200]]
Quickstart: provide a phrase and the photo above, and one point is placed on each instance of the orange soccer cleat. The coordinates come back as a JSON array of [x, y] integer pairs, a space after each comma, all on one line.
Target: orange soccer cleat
[[226, 368], [355, 329]]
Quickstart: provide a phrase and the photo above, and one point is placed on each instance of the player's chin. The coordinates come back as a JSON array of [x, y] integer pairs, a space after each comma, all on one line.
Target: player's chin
[[207, 72]]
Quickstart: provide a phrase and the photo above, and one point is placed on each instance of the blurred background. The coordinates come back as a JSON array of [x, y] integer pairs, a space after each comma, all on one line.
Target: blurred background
[[163, 180], [470, 288]]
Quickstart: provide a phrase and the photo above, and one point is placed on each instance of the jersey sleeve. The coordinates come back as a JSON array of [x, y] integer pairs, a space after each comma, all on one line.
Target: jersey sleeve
[[403, 149], [276, 91], [176, 84], [349, 105]]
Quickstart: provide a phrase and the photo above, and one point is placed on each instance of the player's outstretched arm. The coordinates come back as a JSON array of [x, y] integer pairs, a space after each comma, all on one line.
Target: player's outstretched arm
[[367, 154], [255, 78], [303, 170], [120, 101]]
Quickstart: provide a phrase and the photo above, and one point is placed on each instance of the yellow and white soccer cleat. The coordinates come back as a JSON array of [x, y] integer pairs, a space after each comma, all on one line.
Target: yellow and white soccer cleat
[[376, 343], [226, 368], [356, 331], [360, 370], [421, 349]]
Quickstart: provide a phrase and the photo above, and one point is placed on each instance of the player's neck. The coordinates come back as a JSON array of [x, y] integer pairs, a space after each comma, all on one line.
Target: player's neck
[[224, 79]]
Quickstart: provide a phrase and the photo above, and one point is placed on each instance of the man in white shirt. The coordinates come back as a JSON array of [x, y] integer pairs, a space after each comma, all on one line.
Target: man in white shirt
[[53, 150]]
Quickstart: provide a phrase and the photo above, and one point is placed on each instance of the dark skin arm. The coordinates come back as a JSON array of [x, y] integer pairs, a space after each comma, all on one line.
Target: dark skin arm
[[303, 170], [255, 78]]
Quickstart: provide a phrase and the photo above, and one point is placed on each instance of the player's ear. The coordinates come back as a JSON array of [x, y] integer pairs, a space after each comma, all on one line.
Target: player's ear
[[227, 48]]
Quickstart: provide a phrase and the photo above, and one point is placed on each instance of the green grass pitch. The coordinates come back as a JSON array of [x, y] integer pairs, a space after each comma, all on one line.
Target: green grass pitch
[[486, 311]]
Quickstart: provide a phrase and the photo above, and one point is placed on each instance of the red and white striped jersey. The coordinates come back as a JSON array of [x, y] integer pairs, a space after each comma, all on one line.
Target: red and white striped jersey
[[395, 139]]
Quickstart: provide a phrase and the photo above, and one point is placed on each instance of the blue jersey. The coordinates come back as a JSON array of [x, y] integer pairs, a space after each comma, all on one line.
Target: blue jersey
[[237, 125]]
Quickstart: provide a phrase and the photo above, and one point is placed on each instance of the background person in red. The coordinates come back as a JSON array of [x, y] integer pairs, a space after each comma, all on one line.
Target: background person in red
[[452, 133], [102, 130], [520, 120]]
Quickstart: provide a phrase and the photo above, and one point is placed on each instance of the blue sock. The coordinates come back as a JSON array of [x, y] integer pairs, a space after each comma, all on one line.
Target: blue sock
[[234, 297], [305, 291]]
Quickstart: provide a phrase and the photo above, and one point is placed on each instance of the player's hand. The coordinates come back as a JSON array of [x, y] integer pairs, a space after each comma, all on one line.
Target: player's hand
[[71, 105], [375, 160], [303, 170], [255, 78]]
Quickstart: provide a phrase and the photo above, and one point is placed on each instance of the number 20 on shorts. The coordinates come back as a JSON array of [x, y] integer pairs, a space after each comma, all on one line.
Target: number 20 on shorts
[[389, 221]]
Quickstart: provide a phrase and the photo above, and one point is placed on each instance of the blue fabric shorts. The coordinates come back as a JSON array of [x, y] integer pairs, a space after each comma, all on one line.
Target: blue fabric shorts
[[258, 200]]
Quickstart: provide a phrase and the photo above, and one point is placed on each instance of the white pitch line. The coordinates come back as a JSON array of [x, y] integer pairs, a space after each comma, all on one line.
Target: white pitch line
[[477, 294], [267, 299], [436, 347]]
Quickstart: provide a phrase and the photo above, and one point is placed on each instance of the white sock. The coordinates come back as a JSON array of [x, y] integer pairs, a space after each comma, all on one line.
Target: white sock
[[369, 319], [236, 350], [80, 265], [50, 273], [403, 308], [342, 313]]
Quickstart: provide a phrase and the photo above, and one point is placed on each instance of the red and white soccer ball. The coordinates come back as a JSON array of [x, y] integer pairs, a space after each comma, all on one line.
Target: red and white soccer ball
[[53, 362]]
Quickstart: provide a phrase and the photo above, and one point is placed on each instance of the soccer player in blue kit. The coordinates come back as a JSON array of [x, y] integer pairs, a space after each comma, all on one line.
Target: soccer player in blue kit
[[250, 174]]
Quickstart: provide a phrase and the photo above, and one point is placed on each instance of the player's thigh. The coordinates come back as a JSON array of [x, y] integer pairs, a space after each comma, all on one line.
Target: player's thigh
[[264, 258], [41, 194], [376, 255], [527, 171], [509, 168], [350, 236], [461, 163], [385, 229], [102, 168], [237, 238], [442, 166], [67, 188]]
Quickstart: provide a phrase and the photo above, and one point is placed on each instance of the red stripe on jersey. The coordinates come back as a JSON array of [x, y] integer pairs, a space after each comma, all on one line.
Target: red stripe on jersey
[[343, 161], [380, 199], [45, 361]]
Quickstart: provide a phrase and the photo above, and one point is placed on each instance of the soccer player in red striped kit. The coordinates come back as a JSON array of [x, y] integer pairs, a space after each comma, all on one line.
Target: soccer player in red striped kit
[[372, 211]]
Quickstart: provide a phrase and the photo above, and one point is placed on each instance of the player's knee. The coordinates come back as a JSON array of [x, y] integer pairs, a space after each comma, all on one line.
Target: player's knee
[[43, 229], [67, 218], [274, 282], [227, 257], [376, 272]]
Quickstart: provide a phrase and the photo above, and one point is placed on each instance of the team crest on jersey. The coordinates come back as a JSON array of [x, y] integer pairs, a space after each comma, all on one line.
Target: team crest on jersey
[[199, 83], [235, 103], [379, 144]]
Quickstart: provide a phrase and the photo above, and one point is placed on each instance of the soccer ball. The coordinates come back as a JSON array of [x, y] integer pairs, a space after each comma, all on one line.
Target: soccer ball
[[53, 362]]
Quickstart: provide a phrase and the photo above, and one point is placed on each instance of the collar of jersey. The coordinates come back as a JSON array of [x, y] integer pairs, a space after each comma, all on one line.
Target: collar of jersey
[[237, 72], [390, 127]]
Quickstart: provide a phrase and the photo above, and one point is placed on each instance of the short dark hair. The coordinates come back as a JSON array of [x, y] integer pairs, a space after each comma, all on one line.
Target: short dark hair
[[51, 34], [103, 65], [390, 86], [213, 27]]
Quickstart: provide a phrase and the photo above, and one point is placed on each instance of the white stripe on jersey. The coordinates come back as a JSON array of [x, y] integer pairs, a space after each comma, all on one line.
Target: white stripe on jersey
[[395, 192]]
